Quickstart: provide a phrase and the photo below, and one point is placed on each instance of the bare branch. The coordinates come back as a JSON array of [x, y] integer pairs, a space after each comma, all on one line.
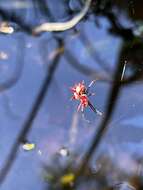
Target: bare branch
[[62, 26]]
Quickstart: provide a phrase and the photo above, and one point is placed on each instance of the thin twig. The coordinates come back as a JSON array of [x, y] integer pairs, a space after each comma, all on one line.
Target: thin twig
[[122, 76], [62, 26]]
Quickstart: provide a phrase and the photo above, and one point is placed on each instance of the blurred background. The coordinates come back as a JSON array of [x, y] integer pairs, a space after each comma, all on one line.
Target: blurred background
[[44, 142]]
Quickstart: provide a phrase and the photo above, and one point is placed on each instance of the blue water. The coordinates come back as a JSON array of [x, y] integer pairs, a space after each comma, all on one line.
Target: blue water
[[52, 128]]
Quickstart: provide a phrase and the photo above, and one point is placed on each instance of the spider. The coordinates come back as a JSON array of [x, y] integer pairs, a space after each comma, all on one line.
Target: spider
[[81, 93]]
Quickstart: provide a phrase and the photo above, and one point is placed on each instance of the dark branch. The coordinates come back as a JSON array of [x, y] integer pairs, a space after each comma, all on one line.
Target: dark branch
[[28, 123]]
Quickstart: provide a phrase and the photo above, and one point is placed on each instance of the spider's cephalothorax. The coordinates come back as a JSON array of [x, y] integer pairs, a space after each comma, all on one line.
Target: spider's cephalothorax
[[81, 93]]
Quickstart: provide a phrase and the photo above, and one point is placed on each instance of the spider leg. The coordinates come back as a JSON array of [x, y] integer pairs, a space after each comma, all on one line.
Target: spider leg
[[91, 83], [90, 94], [83, 116], [82, 108], [94, 109], [72, 98], [99, 112], [79, 107]]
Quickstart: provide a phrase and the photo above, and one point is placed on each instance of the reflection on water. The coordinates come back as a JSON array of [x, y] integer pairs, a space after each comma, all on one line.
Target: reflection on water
[[58, 128]]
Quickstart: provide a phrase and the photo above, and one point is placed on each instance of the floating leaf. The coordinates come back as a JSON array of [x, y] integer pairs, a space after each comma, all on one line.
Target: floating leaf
[[67, 179], [28, 146]]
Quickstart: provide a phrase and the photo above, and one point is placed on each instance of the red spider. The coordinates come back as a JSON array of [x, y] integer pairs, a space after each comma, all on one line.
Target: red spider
[[81, 93]]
